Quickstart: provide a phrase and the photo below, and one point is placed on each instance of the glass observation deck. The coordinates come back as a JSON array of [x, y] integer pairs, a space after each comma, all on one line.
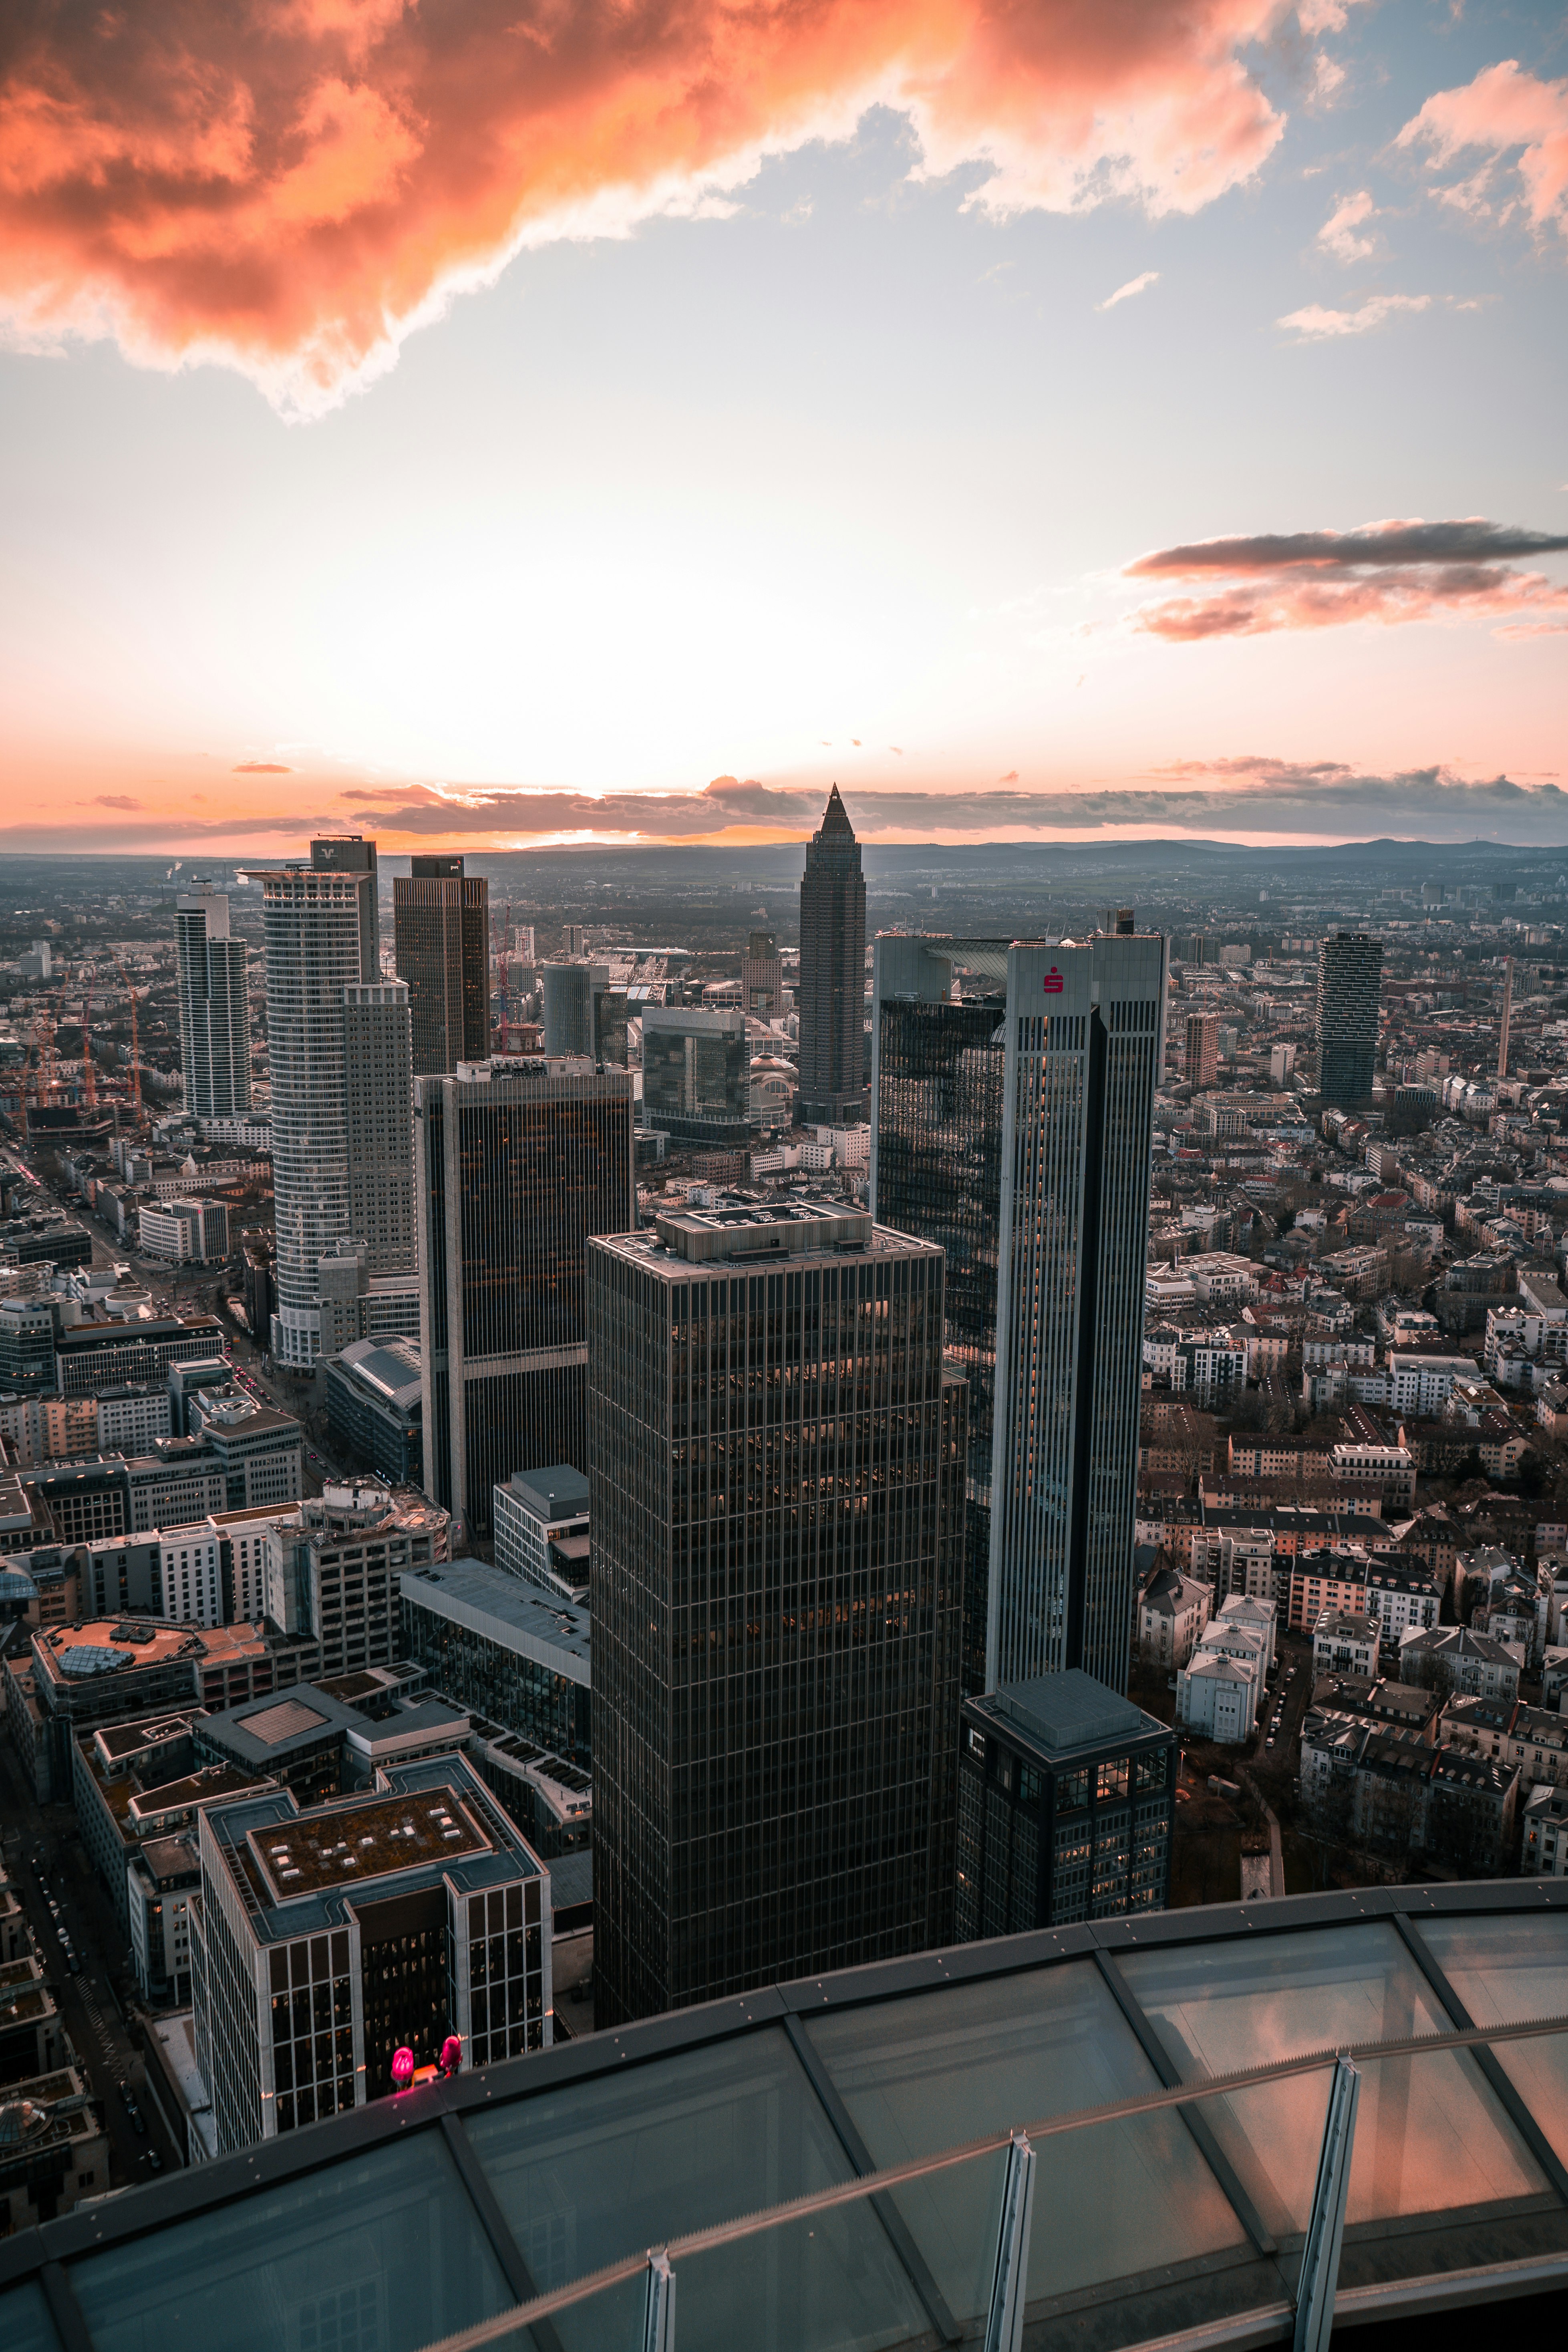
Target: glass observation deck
[[835, 2165]]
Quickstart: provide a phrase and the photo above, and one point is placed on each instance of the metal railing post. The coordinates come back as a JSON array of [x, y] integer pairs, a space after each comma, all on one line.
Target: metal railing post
[[1326, 2227], [658, 2310], [1005, 2321]]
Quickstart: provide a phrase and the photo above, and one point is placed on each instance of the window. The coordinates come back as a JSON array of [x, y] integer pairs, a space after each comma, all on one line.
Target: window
[[1072, 1792], [1111, 1780]]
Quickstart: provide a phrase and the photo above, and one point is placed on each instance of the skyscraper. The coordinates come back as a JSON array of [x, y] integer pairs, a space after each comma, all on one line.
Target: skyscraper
[[1350, 975], [1086, 1035], [775, 1467], [696, 1073], [937, 1067], [762, 977], [214, 1009], [1203, 1049], [319, 922], [440, 931], [516, 1165], [571, 991], [1045, 1194], [832, 974], [378, 1081]]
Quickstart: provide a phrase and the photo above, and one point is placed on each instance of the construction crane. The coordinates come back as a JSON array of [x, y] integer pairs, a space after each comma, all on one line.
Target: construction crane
[[135, 1043]]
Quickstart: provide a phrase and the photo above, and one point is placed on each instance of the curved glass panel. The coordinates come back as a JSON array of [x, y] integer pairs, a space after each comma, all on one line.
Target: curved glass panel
[[25, 2322], [1507, 1971]]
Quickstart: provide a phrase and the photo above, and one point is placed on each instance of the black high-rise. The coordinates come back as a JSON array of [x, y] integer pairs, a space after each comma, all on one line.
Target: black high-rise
[[833, 1088]]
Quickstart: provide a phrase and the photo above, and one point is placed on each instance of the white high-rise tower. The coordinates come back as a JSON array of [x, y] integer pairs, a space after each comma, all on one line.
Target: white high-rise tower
[[215, 1013]]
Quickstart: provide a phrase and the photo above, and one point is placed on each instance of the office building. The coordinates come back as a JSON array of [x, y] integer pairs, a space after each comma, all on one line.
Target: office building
[[378, 1107], [1350, 976], [1067, 1796], [186, 1232], [1048, 1315], [333, 1570], [572, 991], [696, 1074], [775, 1467], [440, 931], [27, 1347], [215, 1006], [501, 1649], [332, 1936], [939, 1067], [540, 1522], [92, 1357], [517, 1164], [1085, 1041], [761, 978], [321, 926], [832, 997], [1202, 1062], [376, 1407]]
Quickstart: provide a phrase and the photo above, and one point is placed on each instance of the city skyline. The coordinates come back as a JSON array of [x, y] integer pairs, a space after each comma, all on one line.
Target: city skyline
[[1053, 496]]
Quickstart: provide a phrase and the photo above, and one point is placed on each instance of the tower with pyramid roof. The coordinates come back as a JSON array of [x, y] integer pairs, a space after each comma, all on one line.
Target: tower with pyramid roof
[[833, 1087]]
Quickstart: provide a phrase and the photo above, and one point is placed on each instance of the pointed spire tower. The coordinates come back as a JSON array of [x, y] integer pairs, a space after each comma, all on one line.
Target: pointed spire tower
[[832, 1001]]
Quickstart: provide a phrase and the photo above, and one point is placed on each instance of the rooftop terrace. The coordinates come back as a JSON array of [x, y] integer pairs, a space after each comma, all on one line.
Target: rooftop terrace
[[350, 1843]]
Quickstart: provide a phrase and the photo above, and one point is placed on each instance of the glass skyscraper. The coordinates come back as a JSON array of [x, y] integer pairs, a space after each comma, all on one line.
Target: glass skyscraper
[[936, 1170], [1053, 1338], [1350, 977], [440, 931], [516, 1165], [214, 1009], [775, 1464], [696, 1074], [831, 1001]]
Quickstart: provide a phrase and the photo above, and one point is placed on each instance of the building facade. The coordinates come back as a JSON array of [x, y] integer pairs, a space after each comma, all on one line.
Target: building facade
[[321, 926], [378, 1103], [375, 1394], [215, 1007], [832, 998], [504, 1651], [761, 978], [540, 1520], [775, 1463], [939, 1067], [333, 1571], [518, 1163], [1203, 1049], [330, 1938], [440, 932], [1066, 1805], [696, 1074], [1350, 977]]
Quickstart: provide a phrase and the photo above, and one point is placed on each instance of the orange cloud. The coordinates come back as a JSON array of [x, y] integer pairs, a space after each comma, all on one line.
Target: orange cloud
[[292, 187], [260, 768], [1385, 571], [1503, 109]]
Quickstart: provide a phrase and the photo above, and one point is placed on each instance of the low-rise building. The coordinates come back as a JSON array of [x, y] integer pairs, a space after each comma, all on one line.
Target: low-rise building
[[1172, 1611], [1543, 1852], [53, 2149], [1344, 1641], [1528, 1740], [496, 1646], [375, 1411], [542, 1532], [1454, 1658]]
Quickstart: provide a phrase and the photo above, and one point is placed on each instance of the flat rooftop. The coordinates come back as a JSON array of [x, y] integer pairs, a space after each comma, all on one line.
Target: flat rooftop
[[514, 1615], [1068, 1711], [106, 1645], [556, 1492], [379, 1838]]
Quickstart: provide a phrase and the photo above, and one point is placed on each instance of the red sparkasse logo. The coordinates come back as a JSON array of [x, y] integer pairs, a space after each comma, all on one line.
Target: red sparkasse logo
[[1054, 983]]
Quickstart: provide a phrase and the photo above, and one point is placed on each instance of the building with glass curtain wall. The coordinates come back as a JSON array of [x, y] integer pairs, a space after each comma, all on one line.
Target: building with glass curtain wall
[[938, 1068], [1015, 1129], [321, 926], [215, 1006], [831, 1001], [775, 1465], [440, 932], [1349, 978], [1066, 1804], [378, 1101], [1085, 1039], [517, 1164], [696, 1074]]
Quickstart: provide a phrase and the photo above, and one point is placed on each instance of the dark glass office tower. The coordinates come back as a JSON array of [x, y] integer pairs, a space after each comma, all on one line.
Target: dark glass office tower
[[696, 1074], [832, 974], [1350, 976], [440, 931], [775, 1465], [515, 1167], [938, 1069], [214, 1008], [1085, 1039]]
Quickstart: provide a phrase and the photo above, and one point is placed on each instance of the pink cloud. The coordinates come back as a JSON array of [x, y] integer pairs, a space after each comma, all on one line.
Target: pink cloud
[[260, 768], [116, 801], [1504, 108], [1391, 573], [293, 185], [1315, 325], [1340, 233]]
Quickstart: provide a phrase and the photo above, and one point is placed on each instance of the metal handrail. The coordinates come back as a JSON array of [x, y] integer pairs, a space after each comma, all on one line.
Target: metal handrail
[[895, 2176]]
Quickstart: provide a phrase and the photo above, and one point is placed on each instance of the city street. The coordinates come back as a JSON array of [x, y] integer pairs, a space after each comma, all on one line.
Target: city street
[[87, 2001]]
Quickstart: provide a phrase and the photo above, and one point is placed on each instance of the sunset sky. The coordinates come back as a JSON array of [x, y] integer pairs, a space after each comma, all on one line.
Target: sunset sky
[[516, 422]]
